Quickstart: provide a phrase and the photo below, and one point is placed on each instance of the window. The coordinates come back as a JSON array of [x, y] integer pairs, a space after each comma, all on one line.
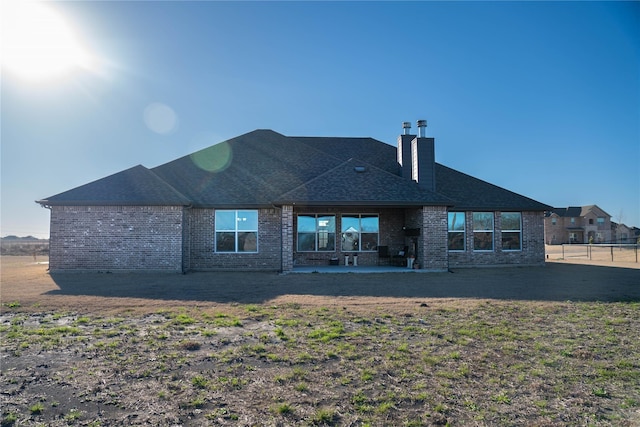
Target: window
[[236, 231], [511, 231], [456, 231], [316, 233], [554, 220], [483, 231], [590, 221], [359, 233], [600, 220], [573, 221]]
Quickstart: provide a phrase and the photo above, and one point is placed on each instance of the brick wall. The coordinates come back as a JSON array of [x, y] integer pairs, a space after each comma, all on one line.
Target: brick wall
[[433, 243], [557, 233], [287, 238], [111, 238], [532, 252], [202, 240]]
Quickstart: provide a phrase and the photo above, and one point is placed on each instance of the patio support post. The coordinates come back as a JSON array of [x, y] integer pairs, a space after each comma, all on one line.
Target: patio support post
[[433, 251]]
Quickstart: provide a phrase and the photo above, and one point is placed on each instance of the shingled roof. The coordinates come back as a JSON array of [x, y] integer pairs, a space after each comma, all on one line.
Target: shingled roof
[[474, 194], [264, 168], [575, 211], [135, 186], [358, 183]]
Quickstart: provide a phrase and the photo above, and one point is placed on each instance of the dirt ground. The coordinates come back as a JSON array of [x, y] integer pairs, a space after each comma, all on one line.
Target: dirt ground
[[113, 350], [29, 282]]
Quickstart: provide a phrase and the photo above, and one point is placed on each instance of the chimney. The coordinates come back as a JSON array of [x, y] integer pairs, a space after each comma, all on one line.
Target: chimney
[[422, 128], [423, 160], [404, 150]]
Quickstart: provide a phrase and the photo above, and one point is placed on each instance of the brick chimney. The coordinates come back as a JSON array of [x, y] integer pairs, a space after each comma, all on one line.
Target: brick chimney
[[423, 160], [404, 150]]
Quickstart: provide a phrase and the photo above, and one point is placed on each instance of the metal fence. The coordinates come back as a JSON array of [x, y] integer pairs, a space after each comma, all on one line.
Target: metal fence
[[600, 252]]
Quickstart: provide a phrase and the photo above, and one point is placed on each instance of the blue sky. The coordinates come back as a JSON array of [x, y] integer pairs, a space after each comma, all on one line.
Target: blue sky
[[542, 98]]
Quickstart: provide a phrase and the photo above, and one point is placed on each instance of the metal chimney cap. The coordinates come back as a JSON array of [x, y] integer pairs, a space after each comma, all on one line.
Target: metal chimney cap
[[422, 128], [406, 125]]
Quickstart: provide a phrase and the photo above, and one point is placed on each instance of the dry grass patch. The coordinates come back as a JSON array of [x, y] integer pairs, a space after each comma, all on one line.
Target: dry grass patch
[[479, 362]]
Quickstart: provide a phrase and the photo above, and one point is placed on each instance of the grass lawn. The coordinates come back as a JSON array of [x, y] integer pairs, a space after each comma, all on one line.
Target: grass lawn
[[467, 362]]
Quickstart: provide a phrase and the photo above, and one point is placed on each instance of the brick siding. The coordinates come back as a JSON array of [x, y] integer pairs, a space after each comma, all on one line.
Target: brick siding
[[111, 238], [433, 244], [532, 252], [202, 252]]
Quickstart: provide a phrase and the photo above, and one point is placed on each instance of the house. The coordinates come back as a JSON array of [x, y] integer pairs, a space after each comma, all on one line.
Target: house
[[624, 234], [577, 224], [265, 201]]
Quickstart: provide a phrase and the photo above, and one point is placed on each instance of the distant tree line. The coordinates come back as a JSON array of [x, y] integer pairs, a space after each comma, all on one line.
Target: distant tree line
[[14, 245]]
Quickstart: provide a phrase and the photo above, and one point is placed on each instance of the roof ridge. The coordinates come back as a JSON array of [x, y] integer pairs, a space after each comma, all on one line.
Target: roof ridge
[[130, 174], [373, 167], [171, 187], [315, 178]]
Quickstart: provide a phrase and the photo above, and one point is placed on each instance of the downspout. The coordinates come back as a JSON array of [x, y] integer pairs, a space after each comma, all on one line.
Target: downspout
[[50, 213]]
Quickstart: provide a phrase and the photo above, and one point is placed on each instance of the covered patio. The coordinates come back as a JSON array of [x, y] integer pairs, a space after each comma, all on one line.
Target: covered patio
[[352, 269]]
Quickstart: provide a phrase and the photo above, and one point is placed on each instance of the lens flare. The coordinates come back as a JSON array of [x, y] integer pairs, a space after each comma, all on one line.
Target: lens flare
[[160, 118], [215, 158]]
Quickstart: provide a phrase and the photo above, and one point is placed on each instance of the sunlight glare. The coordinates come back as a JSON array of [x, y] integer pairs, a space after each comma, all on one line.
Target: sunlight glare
[[37, 43]]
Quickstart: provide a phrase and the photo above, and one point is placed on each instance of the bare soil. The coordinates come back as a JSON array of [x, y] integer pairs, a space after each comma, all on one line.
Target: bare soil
[[552, 345], [28, 281]]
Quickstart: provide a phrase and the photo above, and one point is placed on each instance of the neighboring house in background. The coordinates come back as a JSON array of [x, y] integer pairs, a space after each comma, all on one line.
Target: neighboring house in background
[[577, 224], [624, 234], [265, 201]]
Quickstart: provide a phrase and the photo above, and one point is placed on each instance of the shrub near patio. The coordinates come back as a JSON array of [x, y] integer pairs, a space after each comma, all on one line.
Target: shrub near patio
[[479, 362]]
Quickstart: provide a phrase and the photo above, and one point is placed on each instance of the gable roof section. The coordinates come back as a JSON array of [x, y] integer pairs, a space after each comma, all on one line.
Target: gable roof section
[[250, 170], [578, 211], [135, 186], [595, 209], [475, 194], [452, 187], [571, 211], [355, 182]]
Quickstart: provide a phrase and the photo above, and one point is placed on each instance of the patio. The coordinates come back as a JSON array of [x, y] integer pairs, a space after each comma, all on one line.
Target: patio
[[352, 269]]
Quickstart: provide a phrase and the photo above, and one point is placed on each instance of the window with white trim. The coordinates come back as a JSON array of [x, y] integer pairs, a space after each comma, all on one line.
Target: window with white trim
[[316, 233], [511, 231], [360, 232], [456, 231], [483, 231], [236, 231]]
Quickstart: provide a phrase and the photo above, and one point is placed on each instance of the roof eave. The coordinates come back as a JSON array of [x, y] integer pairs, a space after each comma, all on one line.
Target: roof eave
[[334, 203], [47, 203], [501, 208]]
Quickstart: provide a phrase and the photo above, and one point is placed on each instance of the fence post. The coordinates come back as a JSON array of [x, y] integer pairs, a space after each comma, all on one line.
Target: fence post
[[611, 253], [563, 251]]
